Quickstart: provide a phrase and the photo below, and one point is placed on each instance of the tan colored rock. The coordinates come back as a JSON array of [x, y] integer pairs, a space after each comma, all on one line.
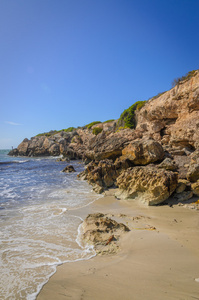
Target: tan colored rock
[[195, 188], [174, 114], [102, 232], [23, 147], [143, 152], [182, 184], [148, 184]]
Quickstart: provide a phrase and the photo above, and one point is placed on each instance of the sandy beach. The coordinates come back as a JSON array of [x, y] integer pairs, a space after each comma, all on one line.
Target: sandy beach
[[158, 258]]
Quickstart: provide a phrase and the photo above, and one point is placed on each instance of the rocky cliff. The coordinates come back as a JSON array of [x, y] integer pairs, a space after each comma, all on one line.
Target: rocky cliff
[[145, 162]]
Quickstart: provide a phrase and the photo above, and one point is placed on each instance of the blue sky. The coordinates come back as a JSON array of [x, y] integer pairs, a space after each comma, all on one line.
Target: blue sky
[[70, 62]]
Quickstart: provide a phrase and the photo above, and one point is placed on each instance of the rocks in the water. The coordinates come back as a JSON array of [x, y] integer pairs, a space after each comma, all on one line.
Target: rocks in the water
[[102, 232], [143, 152], [148, 184], [69, 169]]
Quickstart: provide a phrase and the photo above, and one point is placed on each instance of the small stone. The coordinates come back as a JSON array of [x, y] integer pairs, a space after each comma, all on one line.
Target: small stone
[[69, 169]]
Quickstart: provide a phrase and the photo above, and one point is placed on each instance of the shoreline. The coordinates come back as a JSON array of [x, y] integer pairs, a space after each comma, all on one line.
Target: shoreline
[[152, 264]]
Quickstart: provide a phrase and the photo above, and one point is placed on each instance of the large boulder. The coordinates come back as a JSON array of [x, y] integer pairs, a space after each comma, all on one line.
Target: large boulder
[[148, 184], [143, 152]]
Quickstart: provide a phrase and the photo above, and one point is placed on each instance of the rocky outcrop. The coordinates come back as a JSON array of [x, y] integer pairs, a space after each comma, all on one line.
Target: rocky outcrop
[[102, 232], [148, 184], [46, 146]]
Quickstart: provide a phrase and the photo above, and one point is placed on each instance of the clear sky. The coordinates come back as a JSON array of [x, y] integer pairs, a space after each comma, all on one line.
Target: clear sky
[[70, 62]]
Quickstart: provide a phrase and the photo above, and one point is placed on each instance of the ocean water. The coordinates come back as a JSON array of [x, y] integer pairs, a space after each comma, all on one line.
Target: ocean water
[[38, 225]]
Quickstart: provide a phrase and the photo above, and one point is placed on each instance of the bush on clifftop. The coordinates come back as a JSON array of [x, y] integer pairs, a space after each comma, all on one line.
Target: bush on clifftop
[[127, 118], [92, 123]]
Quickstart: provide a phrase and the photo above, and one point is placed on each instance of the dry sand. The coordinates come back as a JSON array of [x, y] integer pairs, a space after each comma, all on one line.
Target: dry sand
[[151, 264]]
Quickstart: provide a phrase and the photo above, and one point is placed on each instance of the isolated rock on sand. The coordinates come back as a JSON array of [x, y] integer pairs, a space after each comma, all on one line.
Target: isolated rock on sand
[[102, 232], [143, 152], [148, 184]]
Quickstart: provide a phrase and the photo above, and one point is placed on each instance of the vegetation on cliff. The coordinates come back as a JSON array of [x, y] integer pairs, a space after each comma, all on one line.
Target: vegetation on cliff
[[92, 123], [97, 130], [127, 118], [53, 132]]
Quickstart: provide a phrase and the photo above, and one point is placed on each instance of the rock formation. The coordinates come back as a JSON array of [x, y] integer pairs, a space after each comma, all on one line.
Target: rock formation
[[149, 184], [165, 134]]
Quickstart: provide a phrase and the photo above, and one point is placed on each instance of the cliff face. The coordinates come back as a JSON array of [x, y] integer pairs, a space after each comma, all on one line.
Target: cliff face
[[173, 118], [164, 145]]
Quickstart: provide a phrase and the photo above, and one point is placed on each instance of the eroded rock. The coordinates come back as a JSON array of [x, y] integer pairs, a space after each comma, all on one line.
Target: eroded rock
[[148, 184], [102, 232]]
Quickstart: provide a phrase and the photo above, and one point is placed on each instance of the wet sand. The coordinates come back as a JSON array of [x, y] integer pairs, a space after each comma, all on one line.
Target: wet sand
[[158, 258]]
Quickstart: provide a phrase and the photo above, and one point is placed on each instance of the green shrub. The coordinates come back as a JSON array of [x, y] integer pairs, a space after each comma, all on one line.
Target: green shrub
[[109, 121], [127, 118], [97, 130], [69, 129], [91, 124], [53, 132]]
